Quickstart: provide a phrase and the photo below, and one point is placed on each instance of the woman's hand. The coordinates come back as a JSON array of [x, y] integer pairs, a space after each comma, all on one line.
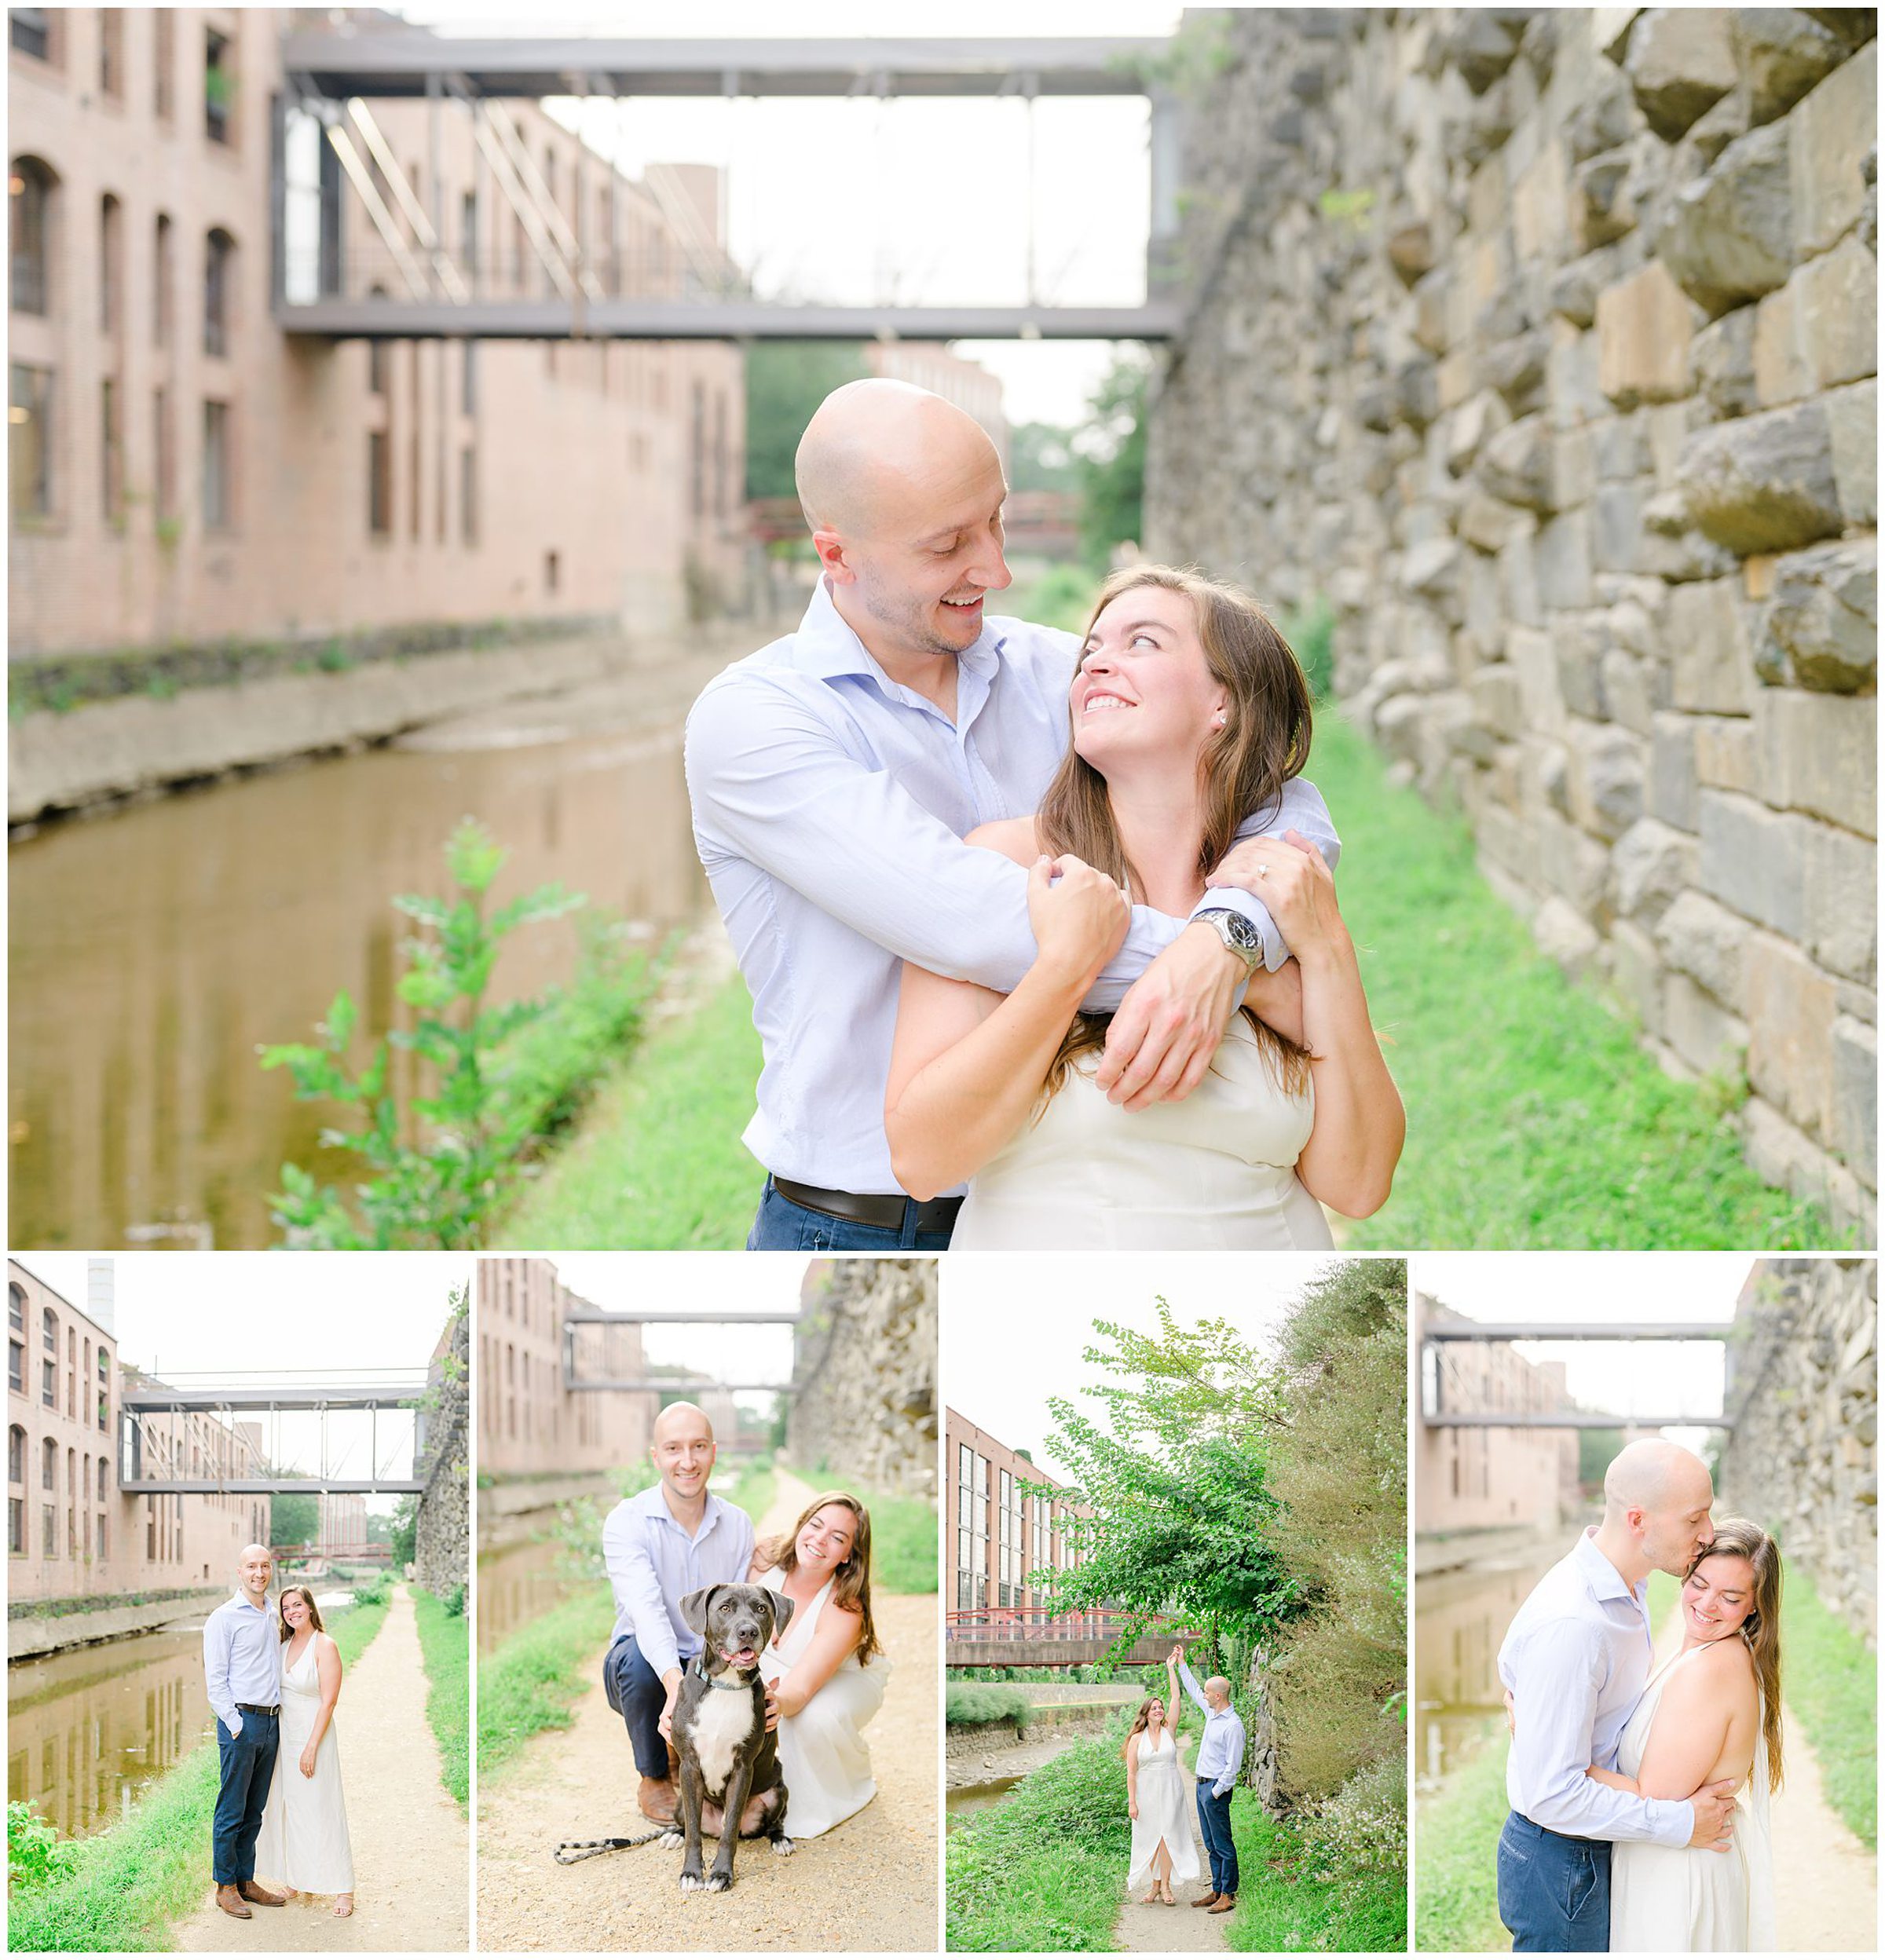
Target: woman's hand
[[1289, 874], [1132, 1811], [1078, 915], [307, 1760]]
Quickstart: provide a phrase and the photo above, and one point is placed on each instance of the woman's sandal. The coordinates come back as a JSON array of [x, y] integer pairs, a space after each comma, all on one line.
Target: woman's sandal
[[343, 1906]]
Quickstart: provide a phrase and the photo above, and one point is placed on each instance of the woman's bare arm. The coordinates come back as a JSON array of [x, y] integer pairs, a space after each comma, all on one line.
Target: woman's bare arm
[[326, 1661], [838, 1631]]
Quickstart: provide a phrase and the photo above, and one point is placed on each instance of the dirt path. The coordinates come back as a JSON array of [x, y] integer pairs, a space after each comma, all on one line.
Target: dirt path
[[411, 1844], [1173, 1929], [867, 1886]]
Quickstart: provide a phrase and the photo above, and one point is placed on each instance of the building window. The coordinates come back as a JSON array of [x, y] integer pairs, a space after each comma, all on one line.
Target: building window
[[16, 1306], [101, 1538], [49, 1465], [697, 454], [111, 446], [48, 1328], [167, 456], [379, 483], [16, 1526], [49, 1524], [218, 280], [49, 1387], [467, 494], [31, 29], [467, 394], [111, 52], [163, 285], [719, 453], [30, 205], [110, 264], [16, 1367], [467, 235], [553, 572], [218, 86], [164, 57], [218, 492], [16, 1455]]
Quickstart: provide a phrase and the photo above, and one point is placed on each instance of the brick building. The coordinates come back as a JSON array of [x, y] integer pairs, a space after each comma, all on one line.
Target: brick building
[[71, 1531], [183, 469], [1470, 1479], [343, 1523], [1000, 1531]]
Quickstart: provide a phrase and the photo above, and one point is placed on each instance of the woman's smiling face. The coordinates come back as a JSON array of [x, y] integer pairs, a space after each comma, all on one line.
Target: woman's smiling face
[[295, 1611], [826, 1538], [1143, 688], [1718, 1595]]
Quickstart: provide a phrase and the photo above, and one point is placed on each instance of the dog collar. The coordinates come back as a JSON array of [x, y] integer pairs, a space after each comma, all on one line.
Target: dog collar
[[713, 1681]]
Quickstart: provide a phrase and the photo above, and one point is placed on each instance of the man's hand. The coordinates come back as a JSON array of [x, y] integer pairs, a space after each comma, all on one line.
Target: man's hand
[[666, 1724], [1176, 1657], [1276, 1000], [1169, 1025], [1511, 1714], [1714, 1807], [772, 1706]]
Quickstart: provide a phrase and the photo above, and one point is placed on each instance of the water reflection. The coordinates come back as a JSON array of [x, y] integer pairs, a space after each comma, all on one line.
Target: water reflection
[[970, 1799], [87, 1730], [517, 1583], [153, 950]]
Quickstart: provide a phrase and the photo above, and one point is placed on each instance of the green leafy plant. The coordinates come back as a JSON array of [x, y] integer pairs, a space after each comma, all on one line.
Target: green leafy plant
[[34, 1853]]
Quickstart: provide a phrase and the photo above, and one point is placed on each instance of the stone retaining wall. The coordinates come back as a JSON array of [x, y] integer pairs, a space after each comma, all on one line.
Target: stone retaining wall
[[864, 1364], [1803, 1393], [1542, 345], [442, 1542], [27, 1636]]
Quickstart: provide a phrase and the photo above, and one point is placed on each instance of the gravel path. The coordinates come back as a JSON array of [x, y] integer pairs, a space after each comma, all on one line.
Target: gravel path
[[1173, 1929], [869, 1886], [1825, 1881], [411, 1846]]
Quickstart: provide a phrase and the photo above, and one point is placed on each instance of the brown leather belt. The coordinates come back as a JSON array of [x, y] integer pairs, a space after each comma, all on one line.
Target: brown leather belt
[[887, 1211]]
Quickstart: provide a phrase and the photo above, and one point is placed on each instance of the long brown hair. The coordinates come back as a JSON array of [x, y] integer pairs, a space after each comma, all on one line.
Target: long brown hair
[[1264, 742], [287, 1632], [850, 1584], [1142, 1721], [1738, 1537]]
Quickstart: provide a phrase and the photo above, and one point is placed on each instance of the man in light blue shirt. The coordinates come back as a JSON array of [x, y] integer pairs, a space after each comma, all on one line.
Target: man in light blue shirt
[[833, 775], [242, 1672], [1220, 1763], [660, 1545], [1575, 1660]]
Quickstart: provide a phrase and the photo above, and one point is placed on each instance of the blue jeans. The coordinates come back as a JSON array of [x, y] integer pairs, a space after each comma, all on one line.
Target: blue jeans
[[1553, 1892], [783, 1226], [635, 1691], [247, 1763], [1214, 1822]]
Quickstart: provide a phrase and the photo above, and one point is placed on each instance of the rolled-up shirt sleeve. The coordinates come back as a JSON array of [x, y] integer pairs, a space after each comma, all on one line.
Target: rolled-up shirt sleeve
[[219, 1633], [1193, 1690], [1555, 1679], [636, 1587], [1300, 808]]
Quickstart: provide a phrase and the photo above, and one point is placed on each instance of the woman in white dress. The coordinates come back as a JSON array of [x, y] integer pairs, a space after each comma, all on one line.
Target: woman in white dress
[[1189, 711], [1157, 1798], [1712, 1714], [827, 1666], [304, 1830]]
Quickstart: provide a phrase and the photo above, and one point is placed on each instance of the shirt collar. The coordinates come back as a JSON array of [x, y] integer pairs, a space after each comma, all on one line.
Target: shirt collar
[[1603, 1578], [654, 1504], [825, 644], [239, 1598]]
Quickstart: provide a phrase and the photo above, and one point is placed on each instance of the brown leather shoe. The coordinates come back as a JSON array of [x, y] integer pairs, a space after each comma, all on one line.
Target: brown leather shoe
[[1210, 1899], [230, 1901], [1225, 1901], [658, 1800], [257, 1896]]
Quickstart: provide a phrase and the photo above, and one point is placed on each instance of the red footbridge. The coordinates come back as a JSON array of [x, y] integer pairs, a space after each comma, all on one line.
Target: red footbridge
[[1037, 1636]]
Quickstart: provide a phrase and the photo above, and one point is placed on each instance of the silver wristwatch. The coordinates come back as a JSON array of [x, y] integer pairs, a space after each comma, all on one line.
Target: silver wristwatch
[[1237, 933]]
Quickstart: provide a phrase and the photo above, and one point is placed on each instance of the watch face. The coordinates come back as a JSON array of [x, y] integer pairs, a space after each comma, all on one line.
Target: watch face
[[1237, 930]]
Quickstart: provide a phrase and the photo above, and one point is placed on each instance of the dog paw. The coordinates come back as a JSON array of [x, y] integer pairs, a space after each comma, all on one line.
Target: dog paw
[[783, 1847], [671, 1840], [720, 1881], [692, 1881]]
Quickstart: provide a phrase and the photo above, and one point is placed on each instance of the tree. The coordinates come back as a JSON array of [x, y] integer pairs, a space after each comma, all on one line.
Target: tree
[[404, 1535], [1110, 447], [785, 381], [1041, 457], [294, 1518]]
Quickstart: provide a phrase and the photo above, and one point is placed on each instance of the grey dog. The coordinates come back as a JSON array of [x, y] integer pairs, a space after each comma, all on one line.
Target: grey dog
[[728, 1756]]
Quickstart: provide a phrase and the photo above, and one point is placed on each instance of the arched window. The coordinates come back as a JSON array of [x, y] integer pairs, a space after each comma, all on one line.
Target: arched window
[[48, 1328], [49, 1465], [16, 1455], [31, 184], [218, 282], [111, 263], [16, 1306]]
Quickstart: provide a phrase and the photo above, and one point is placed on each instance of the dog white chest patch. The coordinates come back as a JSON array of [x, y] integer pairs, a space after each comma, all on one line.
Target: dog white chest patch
[[722, 1721]]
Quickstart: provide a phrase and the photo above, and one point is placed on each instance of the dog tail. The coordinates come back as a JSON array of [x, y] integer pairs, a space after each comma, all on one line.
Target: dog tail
[[574, 1854]]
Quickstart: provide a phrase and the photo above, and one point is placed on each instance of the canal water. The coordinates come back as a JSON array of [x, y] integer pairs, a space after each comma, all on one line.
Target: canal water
[[88, 1729], [155, 949], [972, 1799], [517, 1583]]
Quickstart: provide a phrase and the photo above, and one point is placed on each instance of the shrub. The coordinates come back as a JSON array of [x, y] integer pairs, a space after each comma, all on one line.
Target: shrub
[[1362, 1830], [375, 1592], [972, 1701], [33, 1851]]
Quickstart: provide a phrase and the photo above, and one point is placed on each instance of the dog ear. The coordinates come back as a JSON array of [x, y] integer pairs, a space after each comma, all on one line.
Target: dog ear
[[782, 1611], [694, 1608]]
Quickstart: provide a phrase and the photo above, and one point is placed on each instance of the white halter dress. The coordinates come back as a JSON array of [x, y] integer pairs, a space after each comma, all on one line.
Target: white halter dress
[[1166, 1808], [304, 1830]]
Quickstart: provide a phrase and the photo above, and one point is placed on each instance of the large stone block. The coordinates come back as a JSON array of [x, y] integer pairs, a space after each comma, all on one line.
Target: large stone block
[[1681, 62], [1515, 464], [1651, 864], [1721, 363], [1792, 1005], [1606, 777], [1572, 390], [1842, 877], [1829, 135], [1532, 657], [1727, 755], [1852, 420], [1630, 690], [1763, 483], [1574, 288], [1644, 325], [1855, 1096], [1579, 640], [1728, 236], [1709, 943], [1708, 1038], [1820, 754], [1496, 700], [1563, 934], [1538, 205], [1754, 860], [1821, 627], [1637, 973], [1602, 209], [1782, 1155], [1711, 669], [1781, 371], [1562, 556], [1781, 53], [1838, 314], [1671, 793]]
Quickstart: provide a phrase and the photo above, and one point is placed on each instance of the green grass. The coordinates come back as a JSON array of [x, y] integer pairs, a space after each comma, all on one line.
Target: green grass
[[1042, 1871], [657, 1162], [123, 1888], [1280, 1913], [978, 1702], [1455, 1876], [1665, 1589], [528, 1685], [1831, 1682], [753, 1490], [1533, 1117], [903, 1544], [444, 1640]]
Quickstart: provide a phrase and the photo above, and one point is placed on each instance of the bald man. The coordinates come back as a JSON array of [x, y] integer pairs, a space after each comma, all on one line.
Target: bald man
[[834, 775], [658, 1546], [241, 1673], [1575, 1661]]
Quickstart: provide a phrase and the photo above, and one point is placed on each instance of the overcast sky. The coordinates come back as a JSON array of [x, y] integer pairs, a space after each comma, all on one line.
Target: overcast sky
[[853, 202], [1014, 1328]]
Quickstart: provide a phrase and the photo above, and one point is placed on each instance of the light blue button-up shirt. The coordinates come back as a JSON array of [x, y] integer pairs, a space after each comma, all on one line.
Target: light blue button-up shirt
[[1220, 1752], [829, 805], [654, 1564], [241, 1659], [1576, 1658]]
